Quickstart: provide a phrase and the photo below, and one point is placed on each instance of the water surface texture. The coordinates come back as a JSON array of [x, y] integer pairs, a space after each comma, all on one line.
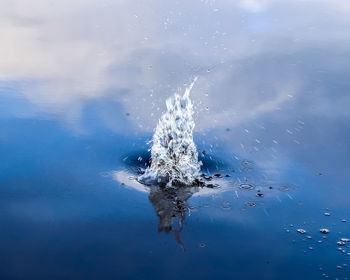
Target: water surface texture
[[82, 87]]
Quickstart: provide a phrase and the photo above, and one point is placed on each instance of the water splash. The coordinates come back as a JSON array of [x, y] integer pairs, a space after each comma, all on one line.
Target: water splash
[[174, 157]]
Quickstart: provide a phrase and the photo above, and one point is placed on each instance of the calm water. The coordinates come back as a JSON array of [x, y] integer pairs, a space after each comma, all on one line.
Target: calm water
[[83, 84]]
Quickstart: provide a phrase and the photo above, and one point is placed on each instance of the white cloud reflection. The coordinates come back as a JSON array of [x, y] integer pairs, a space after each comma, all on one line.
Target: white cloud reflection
[[250, 55]]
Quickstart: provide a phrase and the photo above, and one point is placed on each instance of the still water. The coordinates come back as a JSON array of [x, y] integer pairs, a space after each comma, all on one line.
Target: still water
[[82, 86]]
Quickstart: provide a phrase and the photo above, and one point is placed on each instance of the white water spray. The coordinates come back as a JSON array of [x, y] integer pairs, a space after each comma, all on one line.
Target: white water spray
[[174, 157]]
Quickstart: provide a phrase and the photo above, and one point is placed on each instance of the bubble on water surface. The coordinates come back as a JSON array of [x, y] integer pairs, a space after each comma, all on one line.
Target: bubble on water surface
[[247, 187], [251, 204]]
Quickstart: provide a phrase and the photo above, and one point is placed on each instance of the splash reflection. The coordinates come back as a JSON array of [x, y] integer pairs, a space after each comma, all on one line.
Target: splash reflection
[[171, 203]]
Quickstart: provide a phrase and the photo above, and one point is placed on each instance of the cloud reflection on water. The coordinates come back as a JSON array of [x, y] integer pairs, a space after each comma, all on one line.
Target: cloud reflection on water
[[277, 69], [250, 55]]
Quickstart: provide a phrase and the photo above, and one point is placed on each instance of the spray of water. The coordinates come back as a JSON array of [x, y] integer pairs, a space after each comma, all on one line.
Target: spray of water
[[174, 157]]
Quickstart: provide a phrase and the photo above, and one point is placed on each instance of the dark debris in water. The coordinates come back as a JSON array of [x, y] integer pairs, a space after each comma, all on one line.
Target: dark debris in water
[[212, 186]]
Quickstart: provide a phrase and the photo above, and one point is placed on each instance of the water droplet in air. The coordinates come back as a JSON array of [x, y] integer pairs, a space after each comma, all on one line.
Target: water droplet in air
[[345, 239], [202, 245], [324, 230], [340, 243], [302, 231], [327, 214]]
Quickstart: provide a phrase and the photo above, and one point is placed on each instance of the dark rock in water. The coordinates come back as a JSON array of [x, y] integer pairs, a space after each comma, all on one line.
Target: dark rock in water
[[227, 175], [218, 175], [259, 194], [212, 186], [270, 188], [202, 175], [198, 182], [208, 178]]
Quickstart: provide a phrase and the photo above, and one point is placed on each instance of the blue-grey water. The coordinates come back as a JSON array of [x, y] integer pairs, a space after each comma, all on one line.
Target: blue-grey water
[[82, 86]]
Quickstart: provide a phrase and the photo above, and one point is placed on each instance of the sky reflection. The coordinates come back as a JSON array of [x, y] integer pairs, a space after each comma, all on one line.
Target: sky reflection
[[82, 86]]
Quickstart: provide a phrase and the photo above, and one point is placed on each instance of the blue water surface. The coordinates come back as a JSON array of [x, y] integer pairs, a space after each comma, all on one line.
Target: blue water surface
[[82, 85]]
